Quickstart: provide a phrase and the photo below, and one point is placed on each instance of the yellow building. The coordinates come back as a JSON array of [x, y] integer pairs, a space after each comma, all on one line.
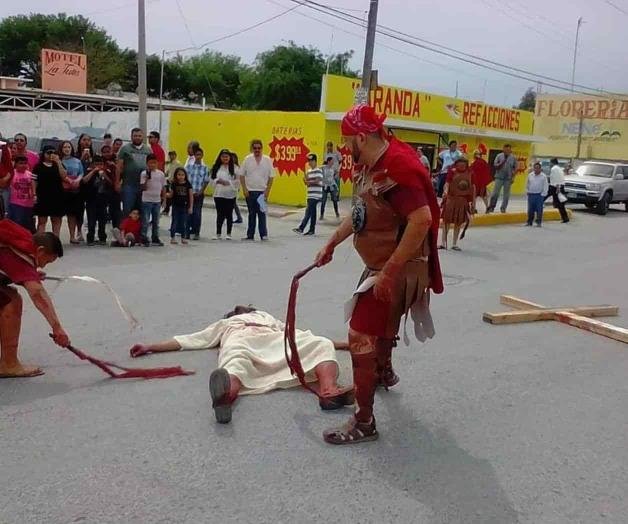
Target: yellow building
[[582, 126], [415, 117]]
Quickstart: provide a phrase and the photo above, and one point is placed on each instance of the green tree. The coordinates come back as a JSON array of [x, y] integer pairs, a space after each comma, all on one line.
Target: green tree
[[22, 38], [288, 77], [528, 100]]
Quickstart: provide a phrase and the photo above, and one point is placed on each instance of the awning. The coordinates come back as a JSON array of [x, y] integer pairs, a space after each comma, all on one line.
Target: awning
[[458, 130]]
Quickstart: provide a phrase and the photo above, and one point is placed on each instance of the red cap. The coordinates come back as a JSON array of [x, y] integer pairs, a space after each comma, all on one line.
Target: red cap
[[361, 119]]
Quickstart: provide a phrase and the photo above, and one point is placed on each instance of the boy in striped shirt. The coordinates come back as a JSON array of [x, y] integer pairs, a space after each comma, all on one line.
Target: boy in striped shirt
[[314, 181]]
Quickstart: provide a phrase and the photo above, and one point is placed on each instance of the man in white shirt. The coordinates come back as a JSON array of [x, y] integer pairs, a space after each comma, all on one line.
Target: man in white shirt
[[536, 188], [257, 180], [556, 183], [446, 159]]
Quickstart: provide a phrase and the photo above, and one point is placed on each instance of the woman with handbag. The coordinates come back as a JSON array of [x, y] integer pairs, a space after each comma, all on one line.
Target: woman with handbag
[[556, 183]]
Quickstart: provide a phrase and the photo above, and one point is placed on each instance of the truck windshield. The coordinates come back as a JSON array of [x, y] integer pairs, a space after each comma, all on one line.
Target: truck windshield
[[601, 170]]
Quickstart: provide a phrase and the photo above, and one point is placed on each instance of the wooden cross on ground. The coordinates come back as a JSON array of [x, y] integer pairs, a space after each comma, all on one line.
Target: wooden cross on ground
[[573, 316]]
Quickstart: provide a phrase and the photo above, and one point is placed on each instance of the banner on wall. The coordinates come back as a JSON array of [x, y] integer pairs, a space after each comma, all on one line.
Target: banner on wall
[[404, 104], [63, 71]]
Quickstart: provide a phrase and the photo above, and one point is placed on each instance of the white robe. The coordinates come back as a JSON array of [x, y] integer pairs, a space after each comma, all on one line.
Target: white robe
[[255, 354]]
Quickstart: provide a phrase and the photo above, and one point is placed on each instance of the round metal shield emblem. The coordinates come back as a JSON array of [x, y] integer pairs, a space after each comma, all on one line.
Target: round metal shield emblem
[[358, 215]]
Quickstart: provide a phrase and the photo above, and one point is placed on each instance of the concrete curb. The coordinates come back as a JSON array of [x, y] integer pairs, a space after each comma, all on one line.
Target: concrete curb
[[499, 219]]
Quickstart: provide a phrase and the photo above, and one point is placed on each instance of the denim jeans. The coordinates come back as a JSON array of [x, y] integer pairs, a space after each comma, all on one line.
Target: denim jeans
[[179, 221], [442, 178], [194, 220], [535, 206], [131, 199], [500, 183], [150, 212], [255, 215], [334, 198], [6, 193], [310, 215]]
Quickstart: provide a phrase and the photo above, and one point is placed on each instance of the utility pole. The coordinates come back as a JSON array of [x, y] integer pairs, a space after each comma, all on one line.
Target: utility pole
[[141, 63], [368, 53], [161, 87], [575, 55], [580, 125]]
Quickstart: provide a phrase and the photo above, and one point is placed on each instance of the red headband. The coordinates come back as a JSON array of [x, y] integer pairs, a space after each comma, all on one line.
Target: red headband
[[362, 119]]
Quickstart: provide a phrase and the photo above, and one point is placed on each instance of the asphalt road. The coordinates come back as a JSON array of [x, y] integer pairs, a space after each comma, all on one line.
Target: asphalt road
[[489, 424]]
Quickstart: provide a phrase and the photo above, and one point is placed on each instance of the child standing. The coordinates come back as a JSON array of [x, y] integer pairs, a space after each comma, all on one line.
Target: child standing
[[152, 184], [98, 185], [22, 196], [314, 182], [130, 230], [181, 199]]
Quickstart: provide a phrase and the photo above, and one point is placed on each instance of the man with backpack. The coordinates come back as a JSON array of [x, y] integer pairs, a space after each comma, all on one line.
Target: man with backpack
[[21, 255]]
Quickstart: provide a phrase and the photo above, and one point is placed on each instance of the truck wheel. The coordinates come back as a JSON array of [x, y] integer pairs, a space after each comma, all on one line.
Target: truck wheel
[[626, 206], [602, 205]]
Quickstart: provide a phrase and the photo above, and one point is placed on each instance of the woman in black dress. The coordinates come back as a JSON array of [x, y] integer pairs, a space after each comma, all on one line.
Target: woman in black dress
[[48, 178]]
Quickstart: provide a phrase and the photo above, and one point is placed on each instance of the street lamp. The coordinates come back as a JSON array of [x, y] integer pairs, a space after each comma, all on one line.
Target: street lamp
[[575, 55]]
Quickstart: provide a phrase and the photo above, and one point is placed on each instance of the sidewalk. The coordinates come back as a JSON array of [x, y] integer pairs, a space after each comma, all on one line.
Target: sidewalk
[[517, 212]]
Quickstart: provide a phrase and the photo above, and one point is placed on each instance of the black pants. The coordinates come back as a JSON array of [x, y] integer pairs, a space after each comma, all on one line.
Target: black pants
[[334, 198], [310, 215], [553, 192], [97, 215], [224, 211], [115, 210]]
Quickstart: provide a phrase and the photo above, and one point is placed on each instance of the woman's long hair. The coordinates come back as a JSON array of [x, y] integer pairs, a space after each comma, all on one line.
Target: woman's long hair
[[60, 151], [177, 170], [79, 149], [218, 163]]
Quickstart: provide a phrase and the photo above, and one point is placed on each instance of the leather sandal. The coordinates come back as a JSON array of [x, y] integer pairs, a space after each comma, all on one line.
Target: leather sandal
[[353, 432]]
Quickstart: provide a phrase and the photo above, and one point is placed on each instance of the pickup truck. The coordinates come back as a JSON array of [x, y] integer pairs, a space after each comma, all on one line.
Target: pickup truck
[[597, 185]]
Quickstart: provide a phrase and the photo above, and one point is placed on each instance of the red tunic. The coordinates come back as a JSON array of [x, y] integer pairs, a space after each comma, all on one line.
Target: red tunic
[[414, 190], [481, 174]]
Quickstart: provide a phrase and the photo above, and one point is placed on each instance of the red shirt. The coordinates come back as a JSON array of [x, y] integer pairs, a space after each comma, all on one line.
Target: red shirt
[[481, 173], [159, 152], [131, 226], [15, 270]]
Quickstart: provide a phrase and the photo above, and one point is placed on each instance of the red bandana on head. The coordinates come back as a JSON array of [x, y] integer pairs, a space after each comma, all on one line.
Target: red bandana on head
[[361, 119]]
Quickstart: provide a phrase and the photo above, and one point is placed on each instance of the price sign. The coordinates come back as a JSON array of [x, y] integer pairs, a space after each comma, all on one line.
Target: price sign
[[346, 166], [289, 154]]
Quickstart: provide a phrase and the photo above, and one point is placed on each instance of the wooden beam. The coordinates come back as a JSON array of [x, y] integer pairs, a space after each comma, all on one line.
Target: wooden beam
[[534, 315], [518, 303], [594, 326]]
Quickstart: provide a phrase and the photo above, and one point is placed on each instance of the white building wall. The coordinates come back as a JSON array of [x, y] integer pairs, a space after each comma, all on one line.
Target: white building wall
[[68, 125]]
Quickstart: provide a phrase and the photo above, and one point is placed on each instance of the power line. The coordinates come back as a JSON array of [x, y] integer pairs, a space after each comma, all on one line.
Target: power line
[[391, 48], [187, 28], [235, 33], [620, 9], [452, 53]]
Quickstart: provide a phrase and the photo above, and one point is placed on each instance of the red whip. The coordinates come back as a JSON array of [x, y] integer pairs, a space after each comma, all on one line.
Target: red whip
[[290, 341], [146, 373]]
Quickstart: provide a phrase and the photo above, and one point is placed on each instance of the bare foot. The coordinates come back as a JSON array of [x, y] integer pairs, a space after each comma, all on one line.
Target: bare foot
[[19, 371], [139, 350]]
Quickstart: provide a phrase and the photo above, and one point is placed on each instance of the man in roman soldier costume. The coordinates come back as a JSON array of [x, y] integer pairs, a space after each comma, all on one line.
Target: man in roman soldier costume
[[458, 200], [395, 227]]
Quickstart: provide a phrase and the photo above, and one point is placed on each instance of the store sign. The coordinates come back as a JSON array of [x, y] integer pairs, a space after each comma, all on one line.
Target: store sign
[[289, 154], [404, 104], [63, 71]]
